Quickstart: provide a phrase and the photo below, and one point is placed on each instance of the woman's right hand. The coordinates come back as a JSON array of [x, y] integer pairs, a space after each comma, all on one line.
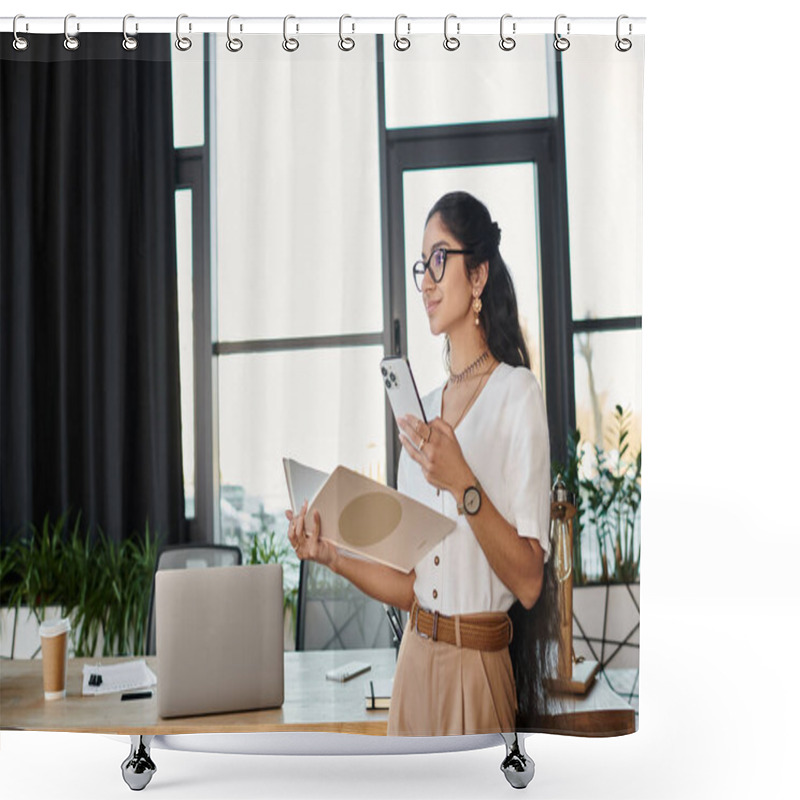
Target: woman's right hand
[[306, 540]]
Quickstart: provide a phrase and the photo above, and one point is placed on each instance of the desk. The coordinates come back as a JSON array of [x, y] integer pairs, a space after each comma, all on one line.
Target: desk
[[311, 703]]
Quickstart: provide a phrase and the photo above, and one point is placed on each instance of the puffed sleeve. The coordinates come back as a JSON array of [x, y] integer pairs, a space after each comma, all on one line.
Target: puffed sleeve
[[527, 471]]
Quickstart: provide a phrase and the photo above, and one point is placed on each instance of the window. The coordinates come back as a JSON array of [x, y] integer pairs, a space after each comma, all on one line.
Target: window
[[604, 152], [299, 283], [189, 112], [305, 255], [183, 219], [476, 83]]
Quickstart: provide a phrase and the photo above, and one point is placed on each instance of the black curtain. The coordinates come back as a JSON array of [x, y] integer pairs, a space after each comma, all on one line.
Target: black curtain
[[89, 359]]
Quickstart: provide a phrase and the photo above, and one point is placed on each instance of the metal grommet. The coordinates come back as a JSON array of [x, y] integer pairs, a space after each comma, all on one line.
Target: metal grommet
[[70, 42], [401, 43], [561, 43], [623, 45], [507, 42], [289, 45], [20, 42], [129, 42], [233, 44], [182, 42], [451, 42], [345, 42]]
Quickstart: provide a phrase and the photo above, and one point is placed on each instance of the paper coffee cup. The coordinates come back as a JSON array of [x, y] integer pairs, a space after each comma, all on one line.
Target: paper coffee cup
[[54, 634]]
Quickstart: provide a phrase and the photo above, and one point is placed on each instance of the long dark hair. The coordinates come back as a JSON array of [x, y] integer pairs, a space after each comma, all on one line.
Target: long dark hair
[[532, 649], [470, 222]]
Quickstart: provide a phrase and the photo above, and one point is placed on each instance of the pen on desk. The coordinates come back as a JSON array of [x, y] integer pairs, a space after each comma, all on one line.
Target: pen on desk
[[136, 695]]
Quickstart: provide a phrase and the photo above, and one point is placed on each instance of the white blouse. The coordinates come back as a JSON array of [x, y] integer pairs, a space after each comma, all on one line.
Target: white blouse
[[505, 441]]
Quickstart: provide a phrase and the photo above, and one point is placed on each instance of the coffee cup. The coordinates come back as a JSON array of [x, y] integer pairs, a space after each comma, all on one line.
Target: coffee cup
[[54, 634]]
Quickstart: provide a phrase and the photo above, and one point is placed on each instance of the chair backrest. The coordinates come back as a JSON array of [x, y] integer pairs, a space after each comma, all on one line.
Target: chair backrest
[[188, 556], [332, 614]]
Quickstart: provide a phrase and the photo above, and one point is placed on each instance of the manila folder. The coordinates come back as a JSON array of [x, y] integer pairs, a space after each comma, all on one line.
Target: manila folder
[[367, 518]]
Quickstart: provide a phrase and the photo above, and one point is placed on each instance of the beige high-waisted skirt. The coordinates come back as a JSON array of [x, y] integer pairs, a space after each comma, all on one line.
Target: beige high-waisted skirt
[[443, 690]]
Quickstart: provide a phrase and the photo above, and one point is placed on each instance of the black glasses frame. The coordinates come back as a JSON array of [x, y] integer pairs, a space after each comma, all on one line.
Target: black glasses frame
[[420, 267]]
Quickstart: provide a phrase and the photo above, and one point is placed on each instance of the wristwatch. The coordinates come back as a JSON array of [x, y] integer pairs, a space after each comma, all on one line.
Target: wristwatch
[[471, 504]]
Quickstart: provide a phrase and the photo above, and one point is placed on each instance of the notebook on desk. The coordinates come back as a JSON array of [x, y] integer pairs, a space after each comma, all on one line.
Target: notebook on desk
[[219, 639]]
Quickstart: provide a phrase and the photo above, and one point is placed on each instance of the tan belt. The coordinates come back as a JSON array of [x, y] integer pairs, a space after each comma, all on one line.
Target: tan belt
[[477, 632]]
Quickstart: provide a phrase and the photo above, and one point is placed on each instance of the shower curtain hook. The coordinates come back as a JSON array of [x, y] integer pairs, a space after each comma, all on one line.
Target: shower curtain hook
[[129, 42], [20, 42], [451, 42], [623, 45], [507, 42], [183, 43], [345, 42], [70, 42], [234, 45], [401, 43], [561, 43], [289, 45]]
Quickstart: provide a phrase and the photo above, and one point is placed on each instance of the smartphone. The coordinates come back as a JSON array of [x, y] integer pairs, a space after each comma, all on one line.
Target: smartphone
[[401, 388]]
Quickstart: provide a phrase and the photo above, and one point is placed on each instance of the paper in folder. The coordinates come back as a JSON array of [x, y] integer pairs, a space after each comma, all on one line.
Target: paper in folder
[[365, 517]]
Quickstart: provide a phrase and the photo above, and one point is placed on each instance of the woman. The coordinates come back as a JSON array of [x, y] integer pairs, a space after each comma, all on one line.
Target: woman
[[483, 597]]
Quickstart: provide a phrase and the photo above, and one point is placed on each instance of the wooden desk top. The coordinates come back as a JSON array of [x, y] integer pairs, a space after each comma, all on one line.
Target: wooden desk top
[[311, 703]]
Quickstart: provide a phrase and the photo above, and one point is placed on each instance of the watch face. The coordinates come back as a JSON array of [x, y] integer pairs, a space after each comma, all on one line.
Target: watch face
[[472, 500]]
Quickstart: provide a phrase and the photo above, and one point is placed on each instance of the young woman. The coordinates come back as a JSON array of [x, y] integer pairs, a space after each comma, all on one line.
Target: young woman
[[481, 603]]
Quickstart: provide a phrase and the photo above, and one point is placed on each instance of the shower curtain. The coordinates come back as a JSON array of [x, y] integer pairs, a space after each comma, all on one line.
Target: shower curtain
[[211, 251]]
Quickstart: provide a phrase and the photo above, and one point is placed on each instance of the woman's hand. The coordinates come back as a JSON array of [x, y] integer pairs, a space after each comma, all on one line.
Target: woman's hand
[[439, 453], [306, 541]]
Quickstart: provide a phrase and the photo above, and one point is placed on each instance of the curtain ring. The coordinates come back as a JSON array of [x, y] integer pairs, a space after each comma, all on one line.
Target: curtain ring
[[507, 42], [234, 45], [451, 42], [70, 42], [183, 43], [401, 42], [623, 45], [129, 42], [20, 42], [345, 42], [561, 43], [289, 45]]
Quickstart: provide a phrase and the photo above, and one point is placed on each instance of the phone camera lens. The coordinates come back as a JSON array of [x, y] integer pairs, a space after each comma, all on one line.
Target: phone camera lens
[[391, 375], [388, 384], [383, 370]]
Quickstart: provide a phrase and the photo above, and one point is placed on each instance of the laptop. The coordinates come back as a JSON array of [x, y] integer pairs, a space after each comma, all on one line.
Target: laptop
[[219, 639]]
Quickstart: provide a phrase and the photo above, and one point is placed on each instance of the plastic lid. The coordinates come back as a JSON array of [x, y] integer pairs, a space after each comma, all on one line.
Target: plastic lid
[[54, 627]]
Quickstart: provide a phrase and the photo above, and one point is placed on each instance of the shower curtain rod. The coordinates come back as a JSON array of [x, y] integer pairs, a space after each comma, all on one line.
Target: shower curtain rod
[[407, 25]]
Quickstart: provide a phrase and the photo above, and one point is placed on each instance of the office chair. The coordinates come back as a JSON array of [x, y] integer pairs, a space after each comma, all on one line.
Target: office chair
[[332, 614], [187, 556]]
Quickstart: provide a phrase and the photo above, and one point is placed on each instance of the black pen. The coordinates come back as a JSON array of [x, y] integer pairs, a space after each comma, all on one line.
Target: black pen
[[136, 695]]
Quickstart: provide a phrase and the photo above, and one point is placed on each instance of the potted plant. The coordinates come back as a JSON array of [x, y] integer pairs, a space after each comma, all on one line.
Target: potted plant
[[102, 586], [606, 482]]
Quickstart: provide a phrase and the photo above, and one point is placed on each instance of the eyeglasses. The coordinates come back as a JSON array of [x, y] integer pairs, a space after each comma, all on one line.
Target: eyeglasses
[[435, 265]]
